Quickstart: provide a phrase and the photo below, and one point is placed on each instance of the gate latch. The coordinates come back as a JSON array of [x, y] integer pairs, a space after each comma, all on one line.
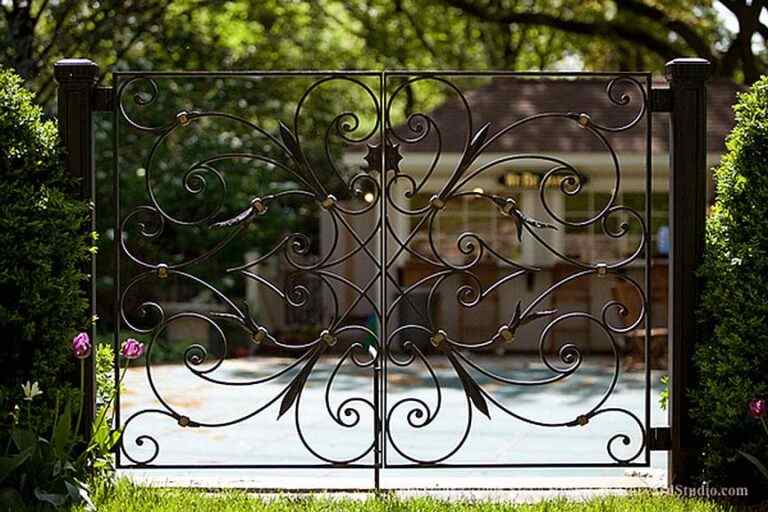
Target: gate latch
[[660, 439]]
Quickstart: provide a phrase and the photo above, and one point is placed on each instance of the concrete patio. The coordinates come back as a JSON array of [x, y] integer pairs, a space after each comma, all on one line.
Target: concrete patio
[[266, 440]]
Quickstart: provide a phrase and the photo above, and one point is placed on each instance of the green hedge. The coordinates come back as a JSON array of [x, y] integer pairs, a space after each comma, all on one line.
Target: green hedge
[[42, 249], [732, 360]]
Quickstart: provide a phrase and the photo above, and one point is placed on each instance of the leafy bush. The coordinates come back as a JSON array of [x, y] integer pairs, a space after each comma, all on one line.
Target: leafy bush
[[732, 360], [41, 465], [42, 248], [105, 375]]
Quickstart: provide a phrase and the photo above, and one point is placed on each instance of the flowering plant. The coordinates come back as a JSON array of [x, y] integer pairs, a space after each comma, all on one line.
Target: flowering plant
[[31, 391], [132, 349], [81, 345], [758, 409], [53, 465]]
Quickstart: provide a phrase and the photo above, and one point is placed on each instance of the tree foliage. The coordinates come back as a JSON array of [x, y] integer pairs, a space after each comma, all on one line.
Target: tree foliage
[[272, 34]]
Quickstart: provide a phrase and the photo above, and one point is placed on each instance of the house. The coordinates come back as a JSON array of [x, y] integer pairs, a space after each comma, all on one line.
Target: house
[[628, 162]]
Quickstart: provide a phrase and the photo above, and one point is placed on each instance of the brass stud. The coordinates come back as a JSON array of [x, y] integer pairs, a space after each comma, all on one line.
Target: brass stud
[[184, 421], [328, 202], [582, 420], [506, 334], [602, 269], [258, 204], [584, 120], [328, 338], [437, 203], [438, 338], [162, 271], [183, 118], [259, 336], [509, 205]]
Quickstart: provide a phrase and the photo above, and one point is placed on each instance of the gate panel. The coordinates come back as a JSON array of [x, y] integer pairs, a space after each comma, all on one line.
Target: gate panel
[[516, 251], [244, 232], [423, 269]]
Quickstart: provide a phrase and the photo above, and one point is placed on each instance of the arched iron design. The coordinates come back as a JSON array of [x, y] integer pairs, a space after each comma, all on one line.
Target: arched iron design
[[469, 166], [389, 191]]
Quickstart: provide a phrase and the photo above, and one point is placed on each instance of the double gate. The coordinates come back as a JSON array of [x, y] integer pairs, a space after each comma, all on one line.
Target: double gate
[[392, 249]]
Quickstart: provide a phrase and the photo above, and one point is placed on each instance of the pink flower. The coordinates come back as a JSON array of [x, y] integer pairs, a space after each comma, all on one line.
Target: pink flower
[[81, 345], [132, 349], [758, 407]]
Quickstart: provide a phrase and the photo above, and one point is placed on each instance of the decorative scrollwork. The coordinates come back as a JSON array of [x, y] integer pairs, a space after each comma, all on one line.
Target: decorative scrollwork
[[474, 249], [361, 207], [280, 150]]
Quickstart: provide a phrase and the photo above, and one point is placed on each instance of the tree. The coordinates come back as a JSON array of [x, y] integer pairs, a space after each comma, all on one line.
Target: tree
[[661, 30], [36, 34], [506, 34]]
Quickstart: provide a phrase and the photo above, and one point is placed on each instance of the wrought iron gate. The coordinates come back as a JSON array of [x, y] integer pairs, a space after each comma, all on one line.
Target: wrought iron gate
[[352, 192]]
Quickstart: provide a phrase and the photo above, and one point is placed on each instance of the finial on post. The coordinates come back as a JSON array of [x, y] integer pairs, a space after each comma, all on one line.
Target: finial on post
[[75, 70], [688, 69]]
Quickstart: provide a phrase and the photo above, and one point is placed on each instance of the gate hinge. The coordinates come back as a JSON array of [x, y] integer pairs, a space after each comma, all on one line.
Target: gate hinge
[[102, 99], [660, 439], [661, 100]]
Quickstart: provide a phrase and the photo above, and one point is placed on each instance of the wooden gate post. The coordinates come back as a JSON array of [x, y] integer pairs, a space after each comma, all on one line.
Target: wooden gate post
[[77, 83], [687, 214]]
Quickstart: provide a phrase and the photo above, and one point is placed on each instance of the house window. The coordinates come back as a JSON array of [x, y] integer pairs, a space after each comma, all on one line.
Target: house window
[[590, 243], [468, 214]]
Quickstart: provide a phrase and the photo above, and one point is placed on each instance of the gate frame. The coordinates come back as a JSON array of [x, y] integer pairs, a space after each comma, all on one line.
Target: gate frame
[[79, 97]]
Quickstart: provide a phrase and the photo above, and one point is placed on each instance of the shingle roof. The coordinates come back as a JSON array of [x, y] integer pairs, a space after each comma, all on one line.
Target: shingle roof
[[507, 99]]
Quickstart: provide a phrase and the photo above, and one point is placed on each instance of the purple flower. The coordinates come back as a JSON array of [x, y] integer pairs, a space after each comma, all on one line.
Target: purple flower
[[132, 349], [758, 407], [81, 345]]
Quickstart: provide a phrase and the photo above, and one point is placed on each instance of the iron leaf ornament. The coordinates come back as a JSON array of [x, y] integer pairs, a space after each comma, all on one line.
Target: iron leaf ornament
[[471, 387], [258, 206], [509, 207], [294, 389]]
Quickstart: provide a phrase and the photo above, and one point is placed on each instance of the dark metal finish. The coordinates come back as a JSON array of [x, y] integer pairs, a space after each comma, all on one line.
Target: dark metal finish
[[660, 439], [103, 98], [77, 80], [391, 350], [661, 100], [151, 219], [458, 352], [687, 209]]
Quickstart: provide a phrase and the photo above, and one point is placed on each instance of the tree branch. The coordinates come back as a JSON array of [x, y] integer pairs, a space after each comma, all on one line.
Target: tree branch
[[40, 11], [56, 32], [604, 29], [417, 29], [686, 32]]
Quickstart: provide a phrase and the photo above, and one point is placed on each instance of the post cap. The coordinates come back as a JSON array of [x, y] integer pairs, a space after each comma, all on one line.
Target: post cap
[[75, 69], [688, 69]]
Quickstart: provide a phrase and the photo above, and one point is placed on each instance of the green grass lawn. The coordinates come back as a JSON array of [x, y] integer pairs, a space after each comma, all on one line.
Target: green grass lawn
[[124, 497]]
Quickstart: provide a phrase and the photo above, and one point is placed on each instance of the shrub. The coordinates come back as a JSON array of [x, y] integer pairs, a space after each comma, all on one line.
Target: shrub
[[42, 249], [732, 360]]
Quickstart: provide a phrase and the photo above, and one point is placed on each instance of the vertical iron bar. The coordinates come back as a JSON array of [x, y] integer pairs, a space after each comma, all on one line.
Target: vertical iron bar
[[385, 320], [687, 210], [380, 412], [648, 265], [117, 247], [77, 81]]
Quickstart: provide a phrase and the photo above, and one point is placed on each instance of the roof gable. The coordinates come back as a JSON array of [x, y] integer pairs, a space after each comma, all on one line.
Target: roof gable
[[506, 100]]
